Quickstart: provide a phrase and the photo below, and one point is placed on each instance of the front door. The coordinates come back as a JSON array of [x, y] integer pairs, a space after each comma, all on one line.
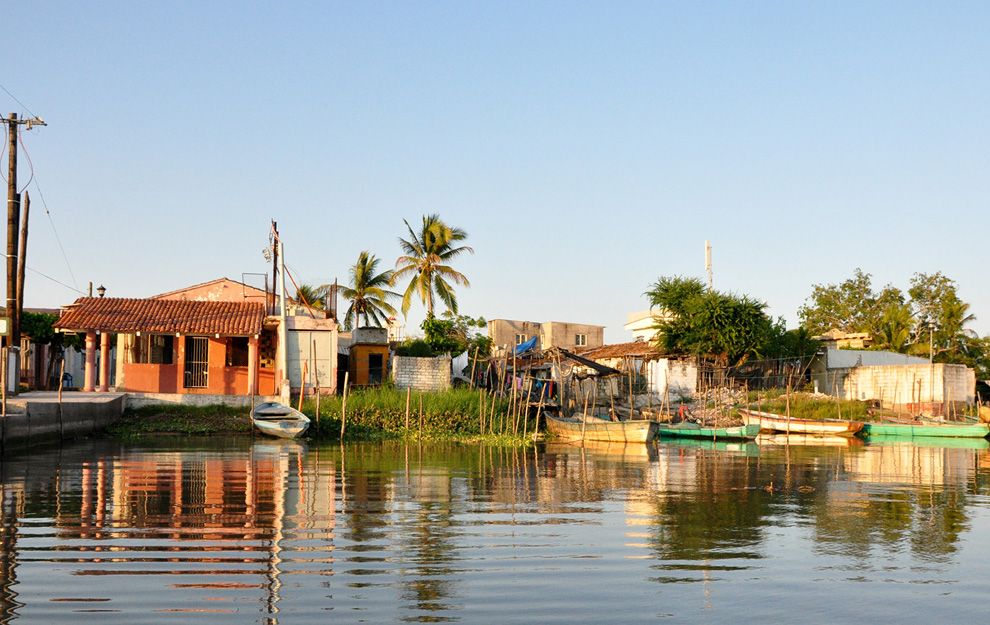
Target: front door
[[197, 361]]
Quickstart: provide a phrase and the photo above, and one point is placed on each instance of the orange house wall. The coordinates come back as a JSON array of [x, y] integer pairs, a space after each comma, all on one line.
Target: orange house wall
[[221, 380], [358, 363]]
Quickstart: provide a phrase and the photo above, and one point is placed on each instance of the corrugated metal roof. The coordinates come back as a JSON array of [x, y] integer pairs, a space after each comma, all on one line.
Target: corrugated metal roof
[[117, 314], [848, 358]]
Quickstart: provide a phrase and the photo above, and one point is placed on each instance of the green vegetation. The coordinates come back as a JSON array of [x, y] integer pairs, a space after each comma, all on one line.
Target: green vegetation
[[41, 328], [177, 419], [808, 406], [930, 320], [426, 255], [367, 293], [723, 328], [378, 413]]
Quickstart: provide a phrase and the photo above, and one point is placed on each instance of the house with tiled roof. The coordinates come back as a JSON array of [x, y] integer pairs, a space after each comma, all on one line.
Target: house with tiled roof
[[214, 338]]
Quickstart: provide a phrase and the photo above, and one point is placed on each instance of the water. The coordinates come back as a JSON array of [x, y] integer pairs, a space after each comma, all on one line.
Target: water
[[242, 531]]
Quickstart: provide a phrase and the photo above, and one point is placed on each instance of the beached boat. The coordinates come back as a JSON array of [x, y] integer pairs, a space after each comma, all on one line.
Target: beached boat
[[275, 419], [770, 422], [947, 430], [588, 428], [693, 430]]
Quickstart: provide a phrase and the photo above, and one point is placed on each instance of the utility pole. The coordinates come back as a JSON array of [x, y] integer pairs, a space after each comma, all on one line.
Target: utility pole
[[14, 304], [708, 263]]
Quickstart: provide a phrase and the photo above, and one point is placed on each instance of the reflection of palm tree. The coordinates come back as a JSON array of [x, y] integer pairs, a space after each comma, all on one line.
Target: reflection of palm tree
[[425, 255]]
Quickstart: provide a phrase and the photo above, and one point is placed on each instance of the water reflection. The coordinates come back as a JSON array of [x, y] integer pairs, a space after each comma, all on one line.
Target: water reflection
[[270, 532]]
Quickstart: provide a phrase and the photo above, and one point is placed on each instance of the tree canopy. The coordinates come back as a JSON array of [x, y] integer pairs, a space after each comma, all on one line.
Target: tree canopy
[[426, 257]]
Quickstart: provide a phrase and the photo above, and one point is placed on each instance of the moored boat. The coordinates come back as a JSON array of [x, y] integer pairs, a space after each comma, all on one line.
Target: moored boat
[[588, 428], [770, 422], [275, 419], [948, 430], [693, 430]]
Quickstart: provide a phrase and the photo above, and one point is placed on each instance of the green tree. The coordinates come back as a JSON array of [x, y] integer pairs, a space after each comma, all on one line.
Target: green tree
[[310, 295], [941, 312], [850, 306], [41, 328], [368, 293], [895, 329], [722, 327], [425, 258]]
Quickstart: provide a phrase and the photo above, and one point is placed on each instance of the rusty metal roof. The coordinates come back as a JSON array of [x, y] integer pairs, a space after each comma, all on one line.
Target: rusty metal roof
[[118, 314], [623, 350]]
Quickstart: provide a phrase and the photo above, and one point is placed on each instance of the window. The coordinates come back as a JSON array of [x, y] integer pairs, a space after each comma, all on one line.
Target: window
[[237, 351], [152, 349], [580, 340], [376, 368], [521, 338]]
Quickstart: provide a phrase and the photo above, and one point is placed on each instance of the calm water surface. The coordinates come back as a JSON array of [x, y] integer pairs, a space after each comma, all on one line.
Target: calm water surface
[[249, 531]]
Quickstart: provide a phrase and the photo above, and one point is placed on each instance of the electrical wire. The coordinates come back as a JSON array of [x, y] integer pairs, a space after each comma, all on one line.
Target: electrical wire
[[51, 220], [20, 138], [24, 106]]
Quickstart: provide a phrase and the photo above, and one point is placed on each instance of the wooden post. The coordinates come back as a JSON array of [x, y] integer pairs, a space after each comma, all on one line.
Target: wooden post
[[481, 411], [13, 225], [408, 397], [61, 374], [539, 409], [22, 259], [584, 418], [302, 385], [316, 377], [420, 416], [343, 406], [3, 387], [474, 363], [525, 413], [491, 416]]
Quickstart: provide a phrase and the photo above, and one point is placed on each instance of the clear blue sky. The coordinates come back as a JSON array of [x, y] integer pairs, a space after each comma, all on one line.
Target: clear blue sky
[[586, 148]]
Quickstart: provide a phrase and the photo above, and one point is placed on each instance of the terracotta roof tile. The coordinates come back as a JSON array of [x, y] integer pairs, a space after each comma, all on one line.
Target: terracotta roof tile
[[117, 314]]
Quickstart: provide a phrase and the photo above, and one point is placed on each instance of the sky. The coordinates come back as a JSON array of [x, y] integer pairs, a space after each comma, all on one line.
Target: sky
[[586, 148]]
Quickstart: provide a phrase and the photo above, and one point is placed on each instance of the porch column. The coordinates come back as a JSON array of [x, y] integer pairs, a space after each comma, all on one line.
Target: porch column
[[104, 362], [252, 365], [90, 362]]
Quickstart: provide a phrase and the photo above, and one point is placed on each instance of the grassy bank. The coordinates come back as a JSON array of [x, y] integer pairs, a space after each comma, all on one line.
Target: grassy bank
[[178, 419], [372, 414], [809, 406], [380, 412]]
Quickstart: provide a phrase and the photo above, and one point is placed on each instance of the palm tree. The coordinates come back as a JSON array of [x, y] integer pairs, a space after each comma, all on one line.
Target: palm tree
[[367, 292], [310, 295], [425, 256]]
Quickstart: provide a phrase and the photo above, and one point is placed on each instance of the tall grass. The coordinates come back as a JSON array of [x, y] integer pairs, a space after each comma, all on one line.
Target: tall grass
[[381, 412], [806, 406]]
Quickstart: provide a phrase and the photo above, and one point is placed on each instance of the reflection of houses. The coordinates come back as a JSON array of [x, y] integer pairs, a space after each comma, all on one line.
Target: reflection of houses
[[506, 333], [895, 380], [909, 463]]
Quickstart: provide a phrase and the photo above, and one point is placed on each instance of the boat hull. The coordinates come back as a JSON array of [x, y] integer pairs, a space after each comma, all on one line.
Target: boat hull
[[770, 422], [742, 432], [279, 420], [961, 430], [593, 429]]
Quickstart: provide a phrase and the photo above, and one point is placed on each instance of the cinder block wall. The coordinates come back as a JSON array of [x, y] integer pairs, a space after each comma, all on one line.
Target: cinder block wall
[[421, 374]]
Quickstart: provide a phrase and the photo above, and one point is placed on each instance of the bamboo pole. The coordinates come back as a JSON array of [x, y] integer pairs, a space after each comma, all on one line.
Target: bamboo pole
[[302, 384], [539, 409], [343, 406], [491, 416], [408, 397], [529, 392], [316, 377], [481, 411], [584, 418], [474, 363], [61, 376], [421, 416]]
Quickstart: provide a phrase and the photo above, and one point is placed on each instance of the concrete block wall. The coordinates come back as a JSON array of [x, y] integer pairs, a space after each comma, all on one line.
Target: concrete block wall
[[901, 385], [421, 374]]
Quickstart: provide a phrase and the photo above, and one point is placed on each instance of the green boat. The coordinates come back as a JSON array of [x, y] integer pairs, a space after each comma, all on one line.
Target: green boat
[[693, 430], [927, 430], [941, 442]]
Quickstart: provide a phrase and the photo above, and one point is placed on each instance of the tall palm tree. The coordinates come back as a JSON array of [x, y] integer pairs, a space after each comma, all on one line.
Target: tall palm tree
[[425, 256], [367, 292]]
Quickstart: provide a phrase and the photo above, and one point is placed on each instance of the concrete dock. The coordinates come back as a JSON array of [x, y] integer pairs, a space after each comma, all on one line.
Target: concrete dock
[[37, 417]]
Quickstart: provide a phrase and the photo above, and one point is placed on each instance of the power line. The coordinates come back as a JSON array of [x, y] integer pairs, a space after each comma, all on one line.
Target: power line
[[58, 239], [18, 101]]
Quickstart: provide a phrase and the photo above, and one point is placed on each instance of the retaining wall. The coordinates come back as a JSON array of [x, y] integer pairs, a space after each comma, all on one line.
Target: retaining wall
[[38, 422]]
